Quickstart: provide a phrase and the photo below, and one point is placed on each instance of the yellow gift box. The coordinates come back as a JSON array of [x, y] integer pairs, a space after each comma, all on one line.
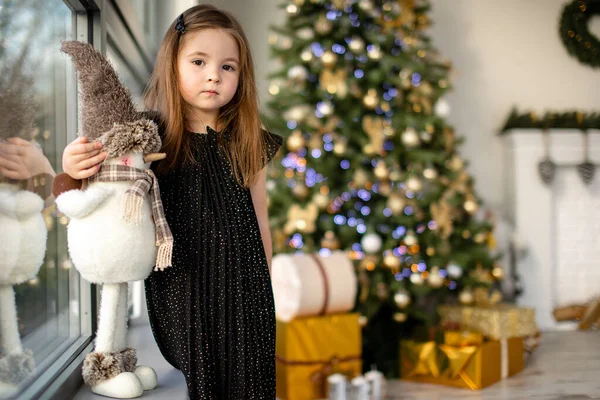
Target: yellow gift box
[[308, 350], [469, 363], [500, 321]]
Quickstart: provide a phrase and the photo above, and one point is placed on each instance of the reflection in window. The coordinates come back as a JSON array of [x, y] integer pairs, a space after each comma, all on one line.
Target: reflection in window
[[39, 291]]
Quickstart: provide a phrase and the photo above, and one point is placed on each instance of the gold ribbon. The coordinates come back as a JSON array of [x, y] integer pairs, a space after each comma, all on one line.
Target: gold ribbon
[[421, 359]]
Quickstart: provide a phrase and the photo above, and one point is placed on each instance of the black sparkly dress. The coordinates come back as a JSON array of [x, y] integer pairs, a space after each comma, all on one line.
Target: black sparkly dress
[[212, 313]]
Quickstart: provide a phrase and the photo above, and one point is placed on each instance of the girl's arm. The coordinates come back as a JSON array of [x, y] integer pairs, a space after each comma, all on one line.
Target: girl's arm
[[259, 199]]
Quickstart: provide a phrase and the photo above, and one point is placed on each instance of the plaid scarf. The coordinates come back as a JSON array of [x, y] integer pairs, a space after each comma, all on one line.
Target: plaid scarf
[[145, 180]]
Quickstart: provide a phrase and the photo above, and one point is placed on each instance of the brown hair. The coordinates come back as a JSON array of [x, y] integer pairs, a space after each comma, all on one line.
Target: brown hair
[[247, 150]]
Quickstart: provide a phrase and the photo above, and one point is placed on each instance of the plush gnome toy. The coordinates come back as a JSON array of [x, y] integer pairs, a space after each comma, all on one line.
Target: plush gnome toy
[[23, 236], [117, 230]]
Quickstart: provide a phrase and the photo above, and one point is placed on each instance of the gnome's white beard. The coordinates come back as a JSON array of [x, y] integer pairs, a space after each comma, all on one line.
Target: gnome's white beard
[[103, 246]]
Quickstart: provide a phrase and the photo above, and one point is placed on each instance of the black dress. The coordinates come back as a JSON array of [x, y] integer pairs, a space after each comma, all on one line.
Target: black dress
[[212, 313]]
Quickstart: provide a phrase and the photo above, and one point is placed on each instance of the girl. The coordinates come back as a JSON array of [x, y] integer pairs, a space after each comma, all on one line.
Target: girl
[[212, 313]]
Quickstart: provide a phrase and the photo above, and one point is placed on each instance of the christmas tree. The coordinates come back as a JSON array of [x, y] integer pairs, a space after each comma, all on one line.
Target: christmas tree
[[371, 166]]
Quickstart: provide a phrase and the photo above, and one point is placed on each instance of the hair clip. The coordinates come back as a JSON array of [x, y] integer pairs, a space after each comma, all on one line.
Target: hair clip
[[179, 26]]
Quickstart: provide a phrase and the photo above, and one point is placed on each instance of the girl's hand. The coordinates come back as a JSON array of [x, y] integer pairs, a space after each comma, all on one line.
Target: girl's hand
[[21, 159], [81, 159]]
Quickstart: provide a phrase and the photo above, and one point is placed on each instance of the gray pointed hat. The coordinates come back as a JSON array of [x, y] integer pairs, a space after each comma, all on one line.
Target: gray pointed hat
[[107, 111]]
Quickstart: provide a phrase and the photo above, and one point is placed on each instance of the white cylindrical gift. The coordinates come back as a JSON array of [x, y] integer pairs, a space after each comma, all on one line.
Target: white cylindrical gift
[[310, 284], [337, 386], [376, 381], [359, 389]]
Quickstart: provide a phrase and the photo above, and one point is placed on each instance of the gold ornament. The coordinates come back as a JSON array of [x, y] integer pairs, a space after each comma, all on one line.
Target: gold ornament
[[306, 55], [420, 101], [374, 52], [323, 25], [430, 173], [416, 279], [371, 100], [339, 148], [334, 82], [301, 219], [381, 170], [480, 238], [442, 214], [391, 261], [430, 251], [456, 163], [360, 177], [482, 275], [434, 279], [340, 4], [410, 138], [498, 272], [400, 317], [373, 127], [329, 58], [384, 188], [298, 113], [410, 239], [274, 88], [395, 175], [466, 234], [414, 184], [330, 241], [405, 17], [402, 298], [356, 45], [321, 200], [295, 141], [365, 5], [448, 139], [292, 9], [300, 191], [471, 205], [396, 203], [466, 297]]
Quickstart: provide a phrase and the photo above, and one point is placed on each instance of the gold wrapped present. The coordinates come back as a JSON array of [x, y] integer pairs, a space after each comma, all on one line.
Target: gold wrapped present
[[470, 364], [308, 350], [500, 321]]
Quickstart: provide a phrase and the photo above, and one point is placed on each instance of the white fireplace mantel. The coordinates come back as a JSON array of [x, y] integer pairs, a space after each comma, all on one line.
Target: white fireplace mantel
[[559, 222]]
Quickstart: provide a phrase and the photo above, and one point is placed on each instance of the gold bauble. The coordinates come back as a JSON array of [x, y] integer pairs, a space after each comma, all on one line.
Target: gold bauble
[[339, 148], [384, 188], [414, 184], [466, 297], [416, 279], [300, 190], [471, 206], [329, 58], [356, 45], [365, 5], [306, 55], [395, 175], [396, 203], [498, 272], [362, 321], [402, 298], [430, 251], [456, 163], [480, 238], [371, 100], [292, 9], [410, 138], [374, 53], [295, 141], [323, 25], [410, 239], [400, 317], [360, 177], [391, 261], [330, 241], [434, 279], [430, 173], [381, 171], [321, 200]]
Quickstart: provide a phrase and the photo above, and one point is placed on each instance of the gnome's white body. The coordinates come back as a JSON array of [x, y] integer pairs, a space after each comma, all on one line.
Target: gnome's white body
[[104, 247], [22, 251]]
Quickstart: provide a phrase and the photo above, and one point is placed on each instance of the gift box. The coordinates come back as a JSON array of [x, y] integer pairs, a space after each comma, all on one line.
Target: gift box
[[500, 321], [308, 350], [464, 360]]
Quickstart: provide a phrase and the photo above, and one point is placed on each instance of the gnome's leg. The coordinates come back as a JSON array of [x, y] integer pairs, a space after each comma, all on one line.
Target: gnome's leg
[[104, 369], [147, 375], [16, 365]]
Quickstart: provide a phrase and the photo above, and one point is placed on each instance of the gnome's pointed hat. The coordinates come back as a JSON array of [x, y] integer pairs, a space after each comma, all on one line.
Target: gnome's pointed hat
[[18, 114], [107, 111]]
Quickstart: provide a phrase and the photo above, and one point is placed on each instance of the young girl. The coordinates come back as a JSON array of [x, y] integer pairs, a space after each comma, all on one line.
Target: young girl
[[212, 312]]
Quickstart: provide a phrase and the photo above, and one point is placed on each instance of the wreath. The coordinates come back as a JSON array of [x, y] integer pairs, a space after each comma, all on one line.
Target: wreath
[[575, 34]]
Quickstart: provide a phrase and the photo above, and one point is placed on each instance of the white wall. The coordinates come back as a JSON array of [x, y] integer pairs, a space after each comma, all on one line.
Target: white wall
[[505, 53]]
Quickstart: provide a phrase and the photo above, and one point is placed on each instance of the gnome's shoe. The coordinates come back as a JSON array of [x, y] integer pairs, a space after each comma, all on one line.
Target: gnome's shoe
[[107, 374], [147, 376], [126, 385]]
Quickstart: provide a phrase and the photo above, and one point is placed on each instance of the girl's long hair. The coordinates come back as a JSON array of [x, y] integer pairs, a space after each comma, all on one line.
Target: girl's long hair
[[247, 150]]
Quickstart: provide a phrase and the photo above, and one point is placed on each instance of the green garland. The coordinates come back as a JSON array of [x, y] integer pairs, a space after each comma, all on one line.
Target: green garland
[[575, 33], [552, 120]]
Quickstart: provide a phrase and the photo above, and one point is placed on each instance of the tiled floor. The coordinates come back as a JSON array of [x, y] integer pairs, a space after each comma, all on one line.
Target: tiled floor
[[566, 366]]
